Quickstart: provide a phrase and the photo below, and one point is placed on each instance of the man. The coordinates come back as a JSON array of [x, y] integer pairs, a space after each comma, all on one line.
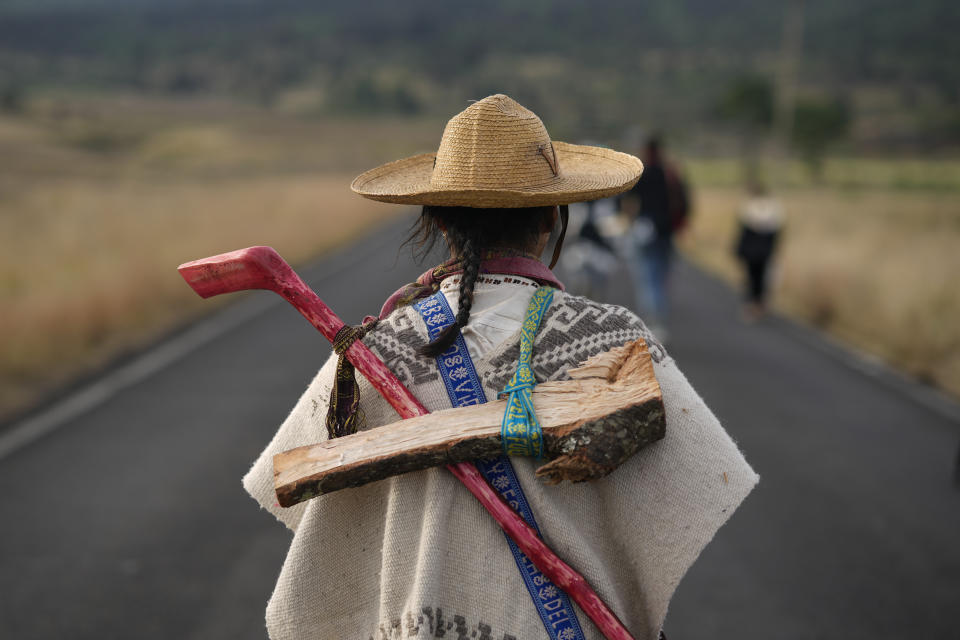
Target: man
[[661, 205]]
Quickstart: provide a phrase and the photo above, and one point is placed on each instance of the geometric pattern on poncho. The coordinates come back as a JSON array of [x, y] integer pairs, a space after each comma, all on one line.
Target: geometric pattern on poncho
[[572, 329]]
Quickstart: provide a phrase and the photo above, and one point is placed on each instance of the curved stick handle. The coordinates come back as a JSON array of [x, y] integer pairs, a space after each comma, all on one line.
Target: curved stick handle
[[263, 268]]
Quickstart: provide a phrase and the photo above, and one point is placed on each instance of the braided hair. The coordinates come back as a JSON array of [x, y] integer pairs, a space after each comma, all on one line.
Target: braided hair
[[470, 232]]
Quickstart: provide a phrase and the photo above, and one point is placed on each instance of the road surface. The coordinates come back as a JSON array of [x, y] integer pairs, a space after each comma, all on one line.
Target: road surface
[[123, 515]]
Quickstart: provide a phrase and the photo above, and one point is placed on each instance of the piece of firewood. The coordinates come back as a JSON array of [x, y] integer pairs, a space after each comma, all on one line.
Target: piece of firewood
[[607, 410]]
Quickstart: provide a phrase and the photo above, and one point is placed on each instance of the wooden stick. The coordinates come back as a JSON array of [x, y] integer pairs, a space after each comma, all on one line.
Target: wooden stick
[[263, 268], [609, 408]]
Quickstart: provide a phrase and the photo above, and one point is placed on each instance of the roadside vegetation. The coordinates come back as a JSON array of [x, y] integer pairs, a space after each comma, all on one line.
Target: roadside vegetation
[[102, 199], [102, 196], [871, 257]]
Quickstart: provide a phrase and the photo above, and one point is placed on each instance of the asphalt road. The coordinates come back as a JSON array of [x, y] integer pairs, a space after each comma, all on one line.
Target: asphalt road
[[126, 519]]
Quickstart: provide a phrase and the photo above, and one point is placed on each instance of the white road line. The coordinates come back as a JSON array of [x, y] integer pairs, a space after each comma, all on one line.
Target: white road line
[[864, 363], [872, 367], [166, 353], [130, 374]]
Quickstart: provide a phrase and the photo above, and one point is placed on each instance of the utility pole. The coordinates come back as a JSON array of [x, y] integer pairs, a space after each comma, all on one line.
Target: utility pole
[[791, 51]]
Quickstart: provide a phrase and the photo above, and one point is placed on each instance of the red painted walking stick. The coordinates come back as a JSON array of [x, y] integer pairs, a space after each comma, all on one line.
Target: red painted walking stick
[[263, 268]]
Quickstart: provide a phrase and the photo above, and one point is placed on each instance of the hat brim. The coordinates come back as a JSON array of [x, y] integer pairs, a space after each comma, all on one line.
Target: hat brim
[[586, 173]]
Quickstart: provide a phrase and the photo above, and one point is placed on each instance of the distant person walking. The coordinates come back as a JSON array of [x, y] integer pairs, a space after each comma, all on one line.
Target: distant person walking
[[761, 220], [590, 255], [662, 206]]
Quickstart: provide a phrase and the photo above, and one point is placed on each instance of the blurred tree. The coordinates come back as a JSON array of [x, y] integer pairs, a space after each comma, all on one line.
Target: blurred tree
[[658, 61], [749, 103], [185, 81], [817, 123], [11, 98], [367, 94]]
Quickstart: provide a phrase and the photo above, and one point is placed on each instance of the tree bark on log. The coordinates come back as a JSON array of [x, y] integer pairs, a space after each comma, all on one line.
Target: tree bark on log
[[607, 410]]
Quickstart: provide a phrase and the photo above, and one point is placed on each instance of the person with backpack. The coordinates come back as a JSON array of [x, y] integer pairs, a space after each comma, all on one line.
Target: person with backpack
[[661, 206]]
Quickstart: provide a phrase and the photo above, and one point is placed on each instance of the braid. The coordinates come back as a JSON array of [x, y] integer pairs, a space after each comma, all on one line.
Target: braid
[[468, 232], [471, 270]]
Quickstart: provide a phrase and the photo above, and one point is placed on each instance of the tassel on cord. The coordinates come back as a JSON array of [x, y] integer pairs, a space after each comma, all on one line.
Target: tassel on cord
[[344, 416]]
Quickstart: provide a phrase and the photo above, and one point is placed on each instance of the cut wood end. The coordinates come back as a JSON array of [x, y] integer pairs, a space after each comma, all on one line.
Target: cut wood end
[[608, 365], [598, 447]]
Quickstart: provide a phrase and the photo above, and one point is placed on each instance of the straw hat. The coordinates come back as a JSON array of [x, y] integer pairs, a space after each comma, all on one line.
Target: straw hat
[[497, 153]]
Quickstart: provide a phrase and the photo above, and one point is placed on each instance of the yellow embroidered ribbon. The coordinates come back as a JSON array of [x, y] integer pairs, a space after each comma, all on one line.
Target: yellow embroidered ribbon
[[520, 431]]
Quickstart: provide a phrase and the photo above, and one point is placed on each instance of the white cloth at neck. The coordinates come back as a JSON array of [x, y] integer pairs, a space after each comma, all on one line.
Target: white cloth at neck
[[763, 214], [499, 307]]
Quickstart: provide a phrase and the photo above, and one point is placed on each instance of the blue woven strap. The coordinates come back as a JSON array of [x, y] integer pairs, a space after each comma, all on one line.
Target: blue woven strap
[[464, 388]]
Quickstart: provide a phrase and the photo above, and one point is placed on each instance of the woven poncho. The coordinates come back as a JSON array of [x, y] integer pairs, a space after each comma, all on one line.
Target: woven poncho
[[416, 556]]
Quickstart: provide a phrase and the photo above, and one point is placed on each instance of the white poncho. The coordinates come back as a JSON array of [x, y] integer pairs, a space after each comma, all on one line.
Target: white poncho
[[416, 556]]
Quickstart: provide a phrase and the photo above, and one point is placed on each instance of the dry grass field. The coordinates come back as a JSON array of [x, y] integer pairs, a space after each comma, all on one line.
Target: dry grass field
[[101, 197], [878, 267], [100, 200]]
